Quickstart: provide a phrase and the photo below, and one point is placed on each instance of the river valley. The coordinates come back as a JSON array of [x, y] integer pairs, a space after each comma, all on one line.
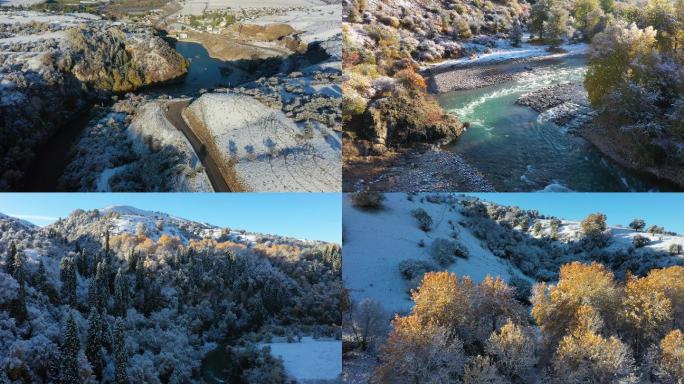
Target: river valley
[[517, 149]]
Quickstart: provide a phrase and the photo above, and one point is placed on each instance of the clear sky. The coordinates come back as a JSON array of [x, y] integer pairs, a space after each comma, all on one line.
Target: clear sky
[[314, 216], [663, 209]]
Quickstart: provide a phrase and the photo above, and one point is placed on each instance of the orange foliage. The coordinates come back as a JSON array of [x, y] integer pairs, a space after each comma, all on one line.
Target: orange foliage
[[410, 79]]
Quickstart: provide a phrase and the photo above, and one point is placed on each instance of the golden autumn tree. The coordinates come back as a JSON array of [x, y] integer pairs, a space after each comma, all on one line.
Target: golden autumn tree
[[584, 356], [554, 307], [419, 352], [670, 367]]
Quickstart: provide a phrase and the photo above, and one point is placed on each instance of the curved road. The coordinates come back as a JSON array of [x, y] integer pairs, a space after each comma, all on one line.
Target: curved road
[[173, 114]]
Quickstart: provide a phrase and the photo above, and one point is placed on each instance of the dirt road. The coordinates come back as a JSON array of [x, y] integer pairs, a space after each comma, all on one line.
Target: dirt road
[[173, 114]]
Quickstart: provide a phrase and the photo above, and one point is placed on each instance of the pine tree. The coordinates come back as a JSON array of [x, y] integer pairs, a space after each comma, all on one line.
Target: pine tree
[[97, 291], [18, 305], [139, 274], [106, 244], [94, 342], [132, 261], [120, 353], [18, 268], [9, 261], [41, 278], [121, 294], [71, 346], [68, 277], [52, 371]]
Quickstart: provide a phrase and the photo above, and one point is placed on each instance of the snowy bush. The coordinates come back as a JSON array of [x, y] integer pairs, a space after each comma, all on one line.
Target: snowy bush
[[413, 268], [445, 251], [640, 241], [424, 219], [368, 200]]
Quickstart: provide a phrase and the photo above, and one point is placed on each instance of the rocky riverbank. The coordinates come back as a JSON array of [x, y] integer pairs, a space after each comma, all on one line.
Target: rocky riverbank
[[426, 169], [465, 75], [565, 105]]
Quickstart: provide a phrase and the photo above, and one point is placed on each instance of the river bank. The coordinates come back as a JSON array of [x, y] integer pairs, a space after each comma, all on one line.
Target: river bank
[[425, 169], [568, 107], [494, 68]]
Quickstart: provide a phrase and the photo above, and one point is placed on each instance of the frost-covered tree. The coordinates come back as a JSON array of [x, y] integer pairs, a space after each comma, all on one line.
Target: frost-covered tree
[[120, 353], [68, 277], [369, 323], [97, 291], [513, 348], [139, 274], [71, 347], [121, 294], [41, 280], [555, 226], [9, 259], [481, 370], [593, 225], [93, 348], [420, 353], [637, 224]]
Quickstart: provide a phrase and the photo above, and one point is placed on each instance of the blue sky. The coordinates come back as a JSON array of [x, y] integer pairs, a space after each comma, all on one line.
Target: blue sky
[[663, 209], [314, 216]]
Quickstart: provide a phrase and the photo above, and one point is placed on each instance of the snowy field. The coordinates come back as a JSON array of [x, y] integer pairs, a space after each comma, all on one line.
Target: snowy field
[[70, 19], [376, 242], [267, 149], [197, 7], [623, 237], [319, 23], [310, 360], [10, 3]]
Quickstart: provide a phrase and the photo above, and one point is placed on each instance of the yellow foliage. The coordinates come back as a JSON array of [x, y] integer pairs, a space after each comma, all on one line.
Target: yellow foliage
[[672, 354]]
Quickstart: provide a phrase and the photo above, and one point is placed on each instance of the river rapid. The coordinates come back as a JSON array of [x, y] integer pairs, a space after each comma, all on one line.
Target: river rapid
[[517, 150]]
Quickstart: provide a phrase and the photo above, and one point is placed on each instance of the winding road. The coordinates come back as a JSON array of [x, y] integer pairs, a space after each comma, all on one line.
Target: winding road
[[173, 114]]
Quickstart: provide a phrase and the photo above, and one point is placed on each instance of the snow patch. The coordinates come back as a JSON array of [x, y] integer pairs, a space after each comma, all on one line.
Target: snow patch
[[310, 359]]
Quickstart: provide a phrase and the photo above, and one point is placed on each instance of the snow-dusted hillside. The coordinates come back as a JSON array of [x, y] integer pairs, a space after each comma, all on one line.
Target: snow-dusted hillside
[[147, 296], [376, 242]]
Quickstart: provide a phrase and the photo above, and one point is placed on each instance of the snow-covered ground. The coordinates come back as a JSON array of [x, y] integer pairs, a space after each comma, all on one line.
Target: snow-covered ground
[[376, 242], [15, 3], [69, 19], [318, 23], [504, 52], [310, 360], [197, 7], [267, 149], [623, 238]]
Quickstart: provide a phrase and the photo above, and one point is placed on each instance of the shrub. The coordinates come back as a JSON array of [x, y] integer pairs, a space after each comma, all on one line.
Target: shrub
[[523, 288], [445, 251], [424, 219], [656, 230], [675, 249], [639, 241], [368, 200], [413, 268]]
